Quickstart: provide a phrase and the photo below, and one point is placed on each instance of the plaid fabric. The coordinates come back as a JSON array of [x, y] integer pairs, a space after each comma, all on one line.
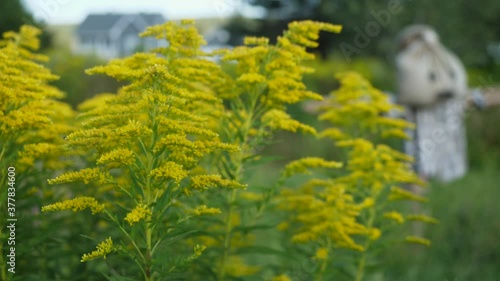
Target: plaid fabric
[[438, 143]]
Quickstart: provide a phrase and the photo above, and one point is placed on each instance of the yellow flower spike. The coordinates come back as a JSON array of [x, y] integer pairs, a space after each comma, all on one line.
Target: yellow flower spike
[[251, 78], [104, 248], [237, 267], [395, 216], [321, 254], [140, 212], [333, 133], [261, 41], [397, 133], [172, 140], [398, 193], [282, 277], [417, 240], [422, 218], [122, 156], [303, 165], [76, 205], [251, 196], [280, 120], [38, 150], [357, 105], [183, 38], [203, 182], [283, 226], [204, 210], [169, 170], [374, 233], [187, 22], [197, 252], [27, 37], [367, 203], [85, 175]]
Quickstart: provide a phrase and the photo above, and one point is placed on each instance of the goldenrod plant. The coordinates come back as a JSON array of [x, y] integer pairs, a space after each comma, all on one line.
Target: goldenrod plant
[[267, 78], [146, 143], [156, 182], [32, 126], [353, 211]]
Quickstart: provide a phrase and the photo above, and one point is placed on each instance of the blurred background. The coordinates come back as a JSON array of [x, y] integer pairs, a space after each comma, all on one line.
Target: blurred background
[[466, 246]]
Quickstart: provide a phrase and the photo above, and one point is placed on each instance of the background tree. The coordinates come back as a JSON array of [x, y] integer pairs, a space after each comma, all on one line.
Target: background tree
[[13, 14], [467, 27]]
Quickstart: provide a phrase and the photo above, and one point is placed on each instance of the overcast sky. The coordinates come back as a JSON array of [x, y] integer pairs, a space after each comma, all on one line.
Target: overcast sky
[[75, 11]]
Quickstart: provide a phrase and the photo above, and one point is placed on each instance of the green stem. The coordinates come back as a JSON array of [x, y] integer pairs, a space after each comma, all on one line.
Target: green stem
[[362, 262], [148, 225], [148, 254], [227, 237], [149, 197], [126, 234]]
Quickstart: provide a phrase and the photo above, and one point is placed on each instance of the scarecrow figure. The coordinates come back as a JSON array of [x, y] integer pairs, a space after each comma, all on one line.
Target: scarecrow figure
[[432, 84]]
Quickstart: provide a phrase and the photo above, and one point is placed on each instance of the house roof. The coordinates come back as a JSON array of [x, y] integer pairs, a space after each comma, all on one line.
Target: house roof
[[105, 22]]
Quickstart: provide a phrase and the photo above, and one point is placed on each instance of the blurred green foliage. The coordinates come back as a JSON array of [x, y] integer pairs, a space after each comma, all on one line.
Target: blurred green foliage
[[466, 27], [13, 15], [465, 243], [77, 85]]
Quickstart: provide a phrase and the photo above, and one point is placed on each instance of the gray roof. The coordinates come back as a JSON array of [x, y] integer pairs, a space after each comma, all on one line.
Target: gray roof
[[104, 22]]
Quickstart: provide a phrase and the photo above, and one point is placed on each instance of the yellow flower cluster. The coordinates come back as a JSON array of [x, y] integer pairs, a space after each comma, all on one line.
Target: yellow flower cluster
[[303, 165], [237, 267], [321, 253], [104, 248], [197, 252], [32, 122], [184, 41], [359, 108], [161, 113], [347, 210], [147, 141], [417, 240], [204, 210], [25, 99], [395, 216], [85, 175], [325, 210], [282, 277], [140, 212], [398, 193], [76, 205], [31, 152], [422, 218], [280, 120], [122, 156], [373, 167], [270, 76], [184, 52], [203, 182], [169, 170]]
